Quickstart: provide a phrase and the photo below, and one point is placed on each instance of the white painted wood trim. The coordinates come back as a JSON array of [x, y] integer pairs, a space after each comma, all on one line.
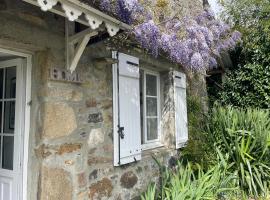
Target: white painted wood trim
[[27, 111], [151, 143], [78, 52], [115, 110], [179, 143], [27, 123], [127, 97], [86, 9]]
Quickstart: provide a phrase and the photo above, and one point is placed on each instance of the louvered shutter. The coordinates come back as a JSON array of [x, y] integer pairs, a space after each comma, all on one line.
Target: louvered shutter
[[126, 109], [181, 124]]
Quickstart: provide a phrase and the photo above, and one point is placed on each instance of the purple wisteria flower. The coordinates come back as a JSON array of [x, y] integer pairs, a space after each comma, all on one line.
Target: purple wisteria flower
[[236, 36], [194, 43], [196, 61], [212, 63], [148, 34], [106, 5]]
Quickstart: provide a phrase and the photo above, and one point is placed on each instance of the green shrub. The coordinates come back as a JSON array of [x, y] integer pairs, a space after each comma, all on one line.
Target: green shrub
[[243, 136], [248, 86], [239, 140], [185, 183], [248, 83], [196, 150]]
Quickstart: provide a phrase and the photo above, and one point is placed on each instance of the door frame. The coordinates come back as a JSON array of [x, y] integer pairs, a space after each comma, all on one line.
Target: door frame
[[27, 105]]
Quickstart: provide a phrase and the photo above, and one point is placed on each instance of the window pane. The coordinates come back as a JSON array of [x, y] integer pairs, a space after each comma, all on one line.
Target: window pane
[[8, 145], [9, 117], [1, 83], [151, 107], [151, 85], [10, 89], [152, 129]]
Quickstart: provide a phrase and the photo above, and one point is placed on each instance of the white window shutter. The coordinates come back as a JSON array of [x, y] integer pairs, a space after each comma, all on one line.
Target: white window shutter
[[126, 109], [181, 123]]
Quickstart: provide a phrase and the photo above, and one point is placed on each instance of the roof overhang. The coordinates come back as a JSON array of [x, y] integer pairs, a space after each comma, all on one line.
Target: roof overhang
[[75, 10]]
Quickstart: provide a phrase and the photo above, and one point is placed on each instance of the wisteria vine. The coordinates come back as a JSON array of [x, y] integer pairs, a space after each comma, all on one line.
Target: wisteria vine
[[195, 43]]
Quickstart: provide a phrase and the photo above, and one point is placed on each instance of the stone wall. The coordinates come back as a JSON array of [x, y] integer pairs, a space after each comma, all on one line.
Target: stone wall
[[77, 136], [71, 138]]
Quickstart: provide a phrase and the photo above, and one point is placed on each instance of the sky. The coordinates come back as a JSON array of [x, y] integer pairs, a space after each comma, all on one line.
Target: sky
[[215, 6]]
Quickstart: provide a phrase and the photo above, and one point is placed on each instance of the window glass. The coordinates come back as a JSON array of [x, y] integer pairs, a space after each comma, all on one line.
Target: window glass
[[9, 117], [152, 130], [7, 159], [151, 85], [151, 107], [10, 83]]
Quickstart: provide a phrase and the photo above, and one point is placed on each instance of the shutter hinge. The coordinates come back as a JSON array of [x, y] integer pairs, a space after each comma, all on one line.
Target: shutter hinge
[[29, 103], [121, 132]]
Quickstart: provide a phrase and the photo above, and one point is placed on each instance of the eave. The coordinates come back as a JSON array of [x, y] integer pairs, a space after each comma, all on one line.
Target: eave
[[82, 13]]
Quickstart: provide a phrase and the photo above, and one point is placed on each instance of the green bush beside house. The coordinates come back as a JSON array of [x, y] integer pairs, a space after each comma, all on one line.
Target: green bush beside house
[[239, 140]]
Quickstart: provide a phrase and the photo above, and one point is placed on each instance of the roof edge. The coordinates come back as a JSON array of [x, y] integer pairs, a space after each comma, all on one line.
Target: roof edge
[[75, 10]]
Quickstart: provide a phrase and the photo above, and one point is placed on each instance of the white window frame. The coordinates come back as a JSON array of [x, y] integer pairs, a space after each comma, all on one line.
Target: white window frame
[[150, 144]]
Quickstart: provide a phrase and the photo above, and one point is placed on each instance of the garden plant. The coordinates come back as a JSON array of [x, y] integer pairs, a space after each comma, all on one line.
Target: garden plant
[[240, 141]]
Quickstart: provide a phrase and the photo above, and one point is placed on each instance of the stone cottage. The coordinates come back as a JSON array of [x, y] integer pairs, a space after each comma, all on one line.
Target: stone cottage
[[81, 116]]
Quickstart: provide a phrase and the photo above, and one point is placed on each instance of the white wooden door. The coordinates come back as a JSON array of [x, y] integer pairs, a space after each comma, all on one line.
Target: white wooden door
[[11, 112]]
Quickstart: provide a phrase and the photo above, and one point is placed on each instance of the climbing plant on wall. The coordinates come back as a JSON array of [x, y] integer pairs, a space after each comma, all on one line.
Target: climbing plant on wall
[[194, 42]]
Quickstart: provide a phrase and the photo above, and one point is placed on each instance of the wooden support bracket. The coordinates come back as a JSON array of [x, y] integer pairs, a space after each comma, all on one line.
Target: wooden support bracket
[[76, 44]]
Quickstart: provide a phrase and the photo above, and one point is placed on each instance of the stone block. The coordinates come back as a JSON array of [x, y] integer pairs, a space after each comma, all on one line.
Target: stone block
[[82, 196], [108, 148], [68, 148], [59, 120], [69, 162], [93, 175], [128, 180], [98, 160], [96, 137], [106, 104], [91, 103], [66, 94], [42, 151], [81, 178], [55, 184], [76, 95], [101, 189]]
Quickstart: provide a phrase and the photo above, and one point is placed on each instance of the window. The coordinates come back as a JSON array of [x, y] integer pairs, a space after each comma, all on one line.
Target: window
[[150, 108], [137, 113]]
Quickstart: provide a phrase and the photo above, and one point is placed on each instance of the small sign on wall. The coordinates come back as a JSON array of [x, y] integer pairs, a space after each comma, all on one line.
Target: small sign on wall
[[64, 75]]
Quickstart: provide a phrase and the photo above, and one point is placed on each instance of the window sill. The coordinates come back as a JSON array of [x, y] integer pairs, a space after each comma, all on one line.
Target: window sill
[[158, 152], [153, 145]]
